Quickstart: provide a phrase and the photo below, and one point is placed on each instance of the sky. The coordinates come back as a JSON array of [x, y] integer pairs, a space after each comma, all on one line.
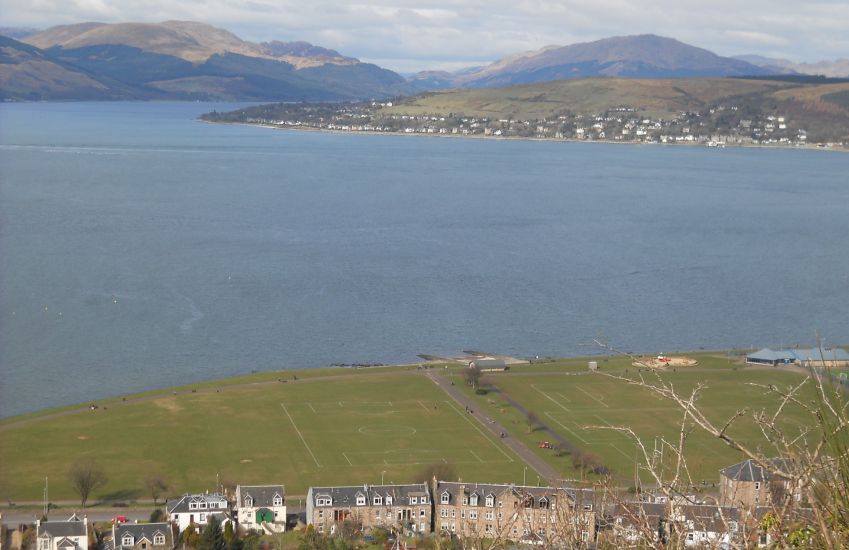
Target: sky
[[412, 35]]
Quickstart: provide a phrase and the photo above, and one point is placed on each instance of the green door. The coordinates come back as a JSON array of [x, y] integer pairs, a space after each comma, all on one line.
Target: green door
[[264, 515]]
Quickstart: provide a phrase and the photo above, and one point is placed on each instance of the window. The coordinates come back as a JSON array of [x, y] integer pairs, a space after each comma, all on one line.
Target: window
[[500, 515], [488, 515], [473, 500], [453, 513], [490, 501], [585, 536], [388, 500], [473, 514], [443, 513], [249, 502], [588, 507], [193, 506], [321, 514], [361, 500], [543, 502], [127, 540], [158, 540], [45, 544], [202, 518], [446, 498], [421, 526], [321, 528], [323, 501], [414, 500], [422, 500], [421, 512], [278, 500], [465, 500], [462, 514], [378, 500], [757, 486], [202, 506]]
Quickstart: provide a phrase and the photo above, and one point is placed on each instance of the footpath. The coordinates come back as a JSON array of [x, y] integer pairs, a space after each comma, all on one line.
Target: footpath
[[545, 470]]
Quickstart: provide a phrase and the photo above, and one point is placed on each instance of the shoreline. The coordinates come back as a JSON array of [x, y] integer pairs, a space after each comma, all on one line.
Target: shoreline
[[534, 139]]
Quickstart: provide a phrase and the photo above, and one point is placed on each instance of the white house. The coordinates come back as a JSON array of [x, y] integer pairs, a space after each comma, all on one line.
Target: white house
[[261, 505], [197, 509], [62, 535]]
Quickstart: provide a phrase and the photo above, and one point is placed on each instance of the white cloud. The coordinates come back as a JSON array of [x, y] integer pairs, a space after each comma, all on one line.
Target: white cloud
[[444, 33]]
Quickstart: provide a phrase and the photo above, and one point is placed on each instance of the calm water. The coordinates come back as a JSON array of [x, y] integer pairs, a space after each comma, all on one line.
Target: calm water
[[141, 249]]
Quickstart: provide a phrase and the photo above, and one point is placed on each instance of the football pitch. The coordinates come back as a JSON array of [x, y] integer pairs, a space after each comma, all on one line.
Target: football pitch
[[585, 408], [345, 430]]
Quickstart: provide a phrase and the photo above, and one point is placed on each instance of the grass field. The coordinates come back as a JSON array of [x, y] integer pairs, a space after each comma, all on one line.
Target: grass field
[[346, 429], [577, 405]]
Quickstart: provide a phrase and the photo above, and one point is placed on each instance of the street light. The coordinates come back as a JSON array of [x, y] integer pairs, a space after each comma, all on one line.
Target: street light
[[524, 476], [381, 476]]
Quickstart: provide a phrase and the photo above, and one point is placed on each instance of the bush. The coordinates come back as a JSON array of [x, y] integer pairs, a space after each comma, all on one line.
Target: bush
[[157, 515]]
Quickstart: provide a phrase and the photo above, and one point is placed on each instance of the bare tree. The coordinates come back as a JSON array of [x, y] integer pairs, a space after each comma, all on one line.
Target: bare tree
[[472, 376], [86, 476], [532, 421], [156, 486]]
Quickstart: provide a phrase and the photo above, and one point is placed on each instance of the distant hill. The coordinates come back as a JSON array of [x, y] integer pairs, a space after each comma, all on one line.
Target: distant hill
[[643, 56], [184, 60], [17, 32], [839, 68]]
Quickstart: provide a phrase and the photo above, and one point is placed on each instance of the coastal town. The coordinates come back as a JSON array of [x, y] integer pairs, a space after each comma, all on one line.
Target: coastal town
[[721, 125], [751, 501]]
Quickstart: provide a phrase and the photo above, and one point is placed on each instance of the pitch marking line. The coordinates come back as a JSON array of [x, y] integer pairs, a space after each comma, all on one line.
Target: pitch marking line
[[621, 451], [304, 441], [563, 397], [553, 400], [476, 456], [423, 406], [346, 458], [562, 425], [588, 394], [475, 426], [311, 408]]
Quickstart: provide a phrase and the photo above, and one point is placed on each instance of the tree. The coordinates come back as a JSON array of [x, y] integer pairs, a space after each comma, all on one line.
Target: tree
[[532, 421], [444, 471], [472, 376], [190, 536], [155, 486], [86, 476], [212, 537]]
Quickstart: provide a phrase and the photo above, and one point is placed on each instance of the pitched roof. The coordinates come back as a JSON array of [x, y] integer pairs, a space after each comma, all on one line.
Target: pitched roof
[[141, 531], [262, 495], [767, 354], [456, 490], [73, 527], [181, 505], [347, 496], [749, 470], [817, 354]]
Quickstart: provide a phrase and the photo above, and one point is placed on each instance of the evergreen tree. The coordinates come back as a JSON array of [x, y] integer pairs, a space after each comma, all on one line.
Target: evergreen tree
[[212, 537]]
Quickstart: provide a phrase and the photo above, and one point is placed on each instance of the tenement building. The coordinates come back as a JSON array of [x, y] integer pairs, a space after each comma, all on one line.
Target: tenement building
[[397, 508]]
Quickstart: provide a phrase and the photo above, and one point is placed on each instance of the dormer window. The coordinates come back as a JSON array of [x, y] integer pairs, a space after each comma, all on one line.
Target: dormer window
[[361, 500], [378, 500], [446, 497], [414, 500], [127, 540], [473, 500], [158, 539], [490, 501], [388, 500], [543, 502], [423, 500], [323, 501], [202, 506], [249, 502], [193, 506], [278, 500]]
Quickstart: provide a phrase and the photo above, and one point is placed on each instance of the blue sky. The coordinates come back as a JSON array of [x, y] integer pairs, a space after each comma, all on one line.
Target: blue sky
[[412, 35]]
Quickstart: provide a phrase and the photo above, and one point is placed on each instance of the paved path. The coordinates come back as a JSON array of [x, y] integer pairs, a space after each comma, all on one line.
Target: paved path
[[543, 468]]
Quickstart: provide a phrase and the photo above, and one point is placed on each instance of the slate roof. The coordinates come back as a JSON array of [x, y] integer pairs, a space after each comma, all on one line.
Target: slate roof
[[347, 496], [262, 495], [749, 470], [456, 490], [73, 527], [767, 354], [181, 505], [816, 354], [141, 531]]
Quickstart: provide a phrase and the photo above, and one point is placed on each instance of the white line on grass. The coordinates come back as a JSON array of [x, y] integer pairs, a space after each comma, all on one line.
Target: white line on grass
[[311, 408], [553, 400], [423, 406], [304, 441], [621, 451], [476, 456], [475, 426], [346, 458], [564, 397], [603, 404], [562, 425]]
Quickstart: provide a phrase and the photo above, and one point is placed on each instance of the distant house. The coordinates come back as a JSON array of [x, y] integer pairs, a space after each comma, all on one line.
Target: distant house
[[488, 364], [197, 509], [748, 484], [142, 536], [71, 534], [258, 505], [767, 356], [398, 508], [806, 357]]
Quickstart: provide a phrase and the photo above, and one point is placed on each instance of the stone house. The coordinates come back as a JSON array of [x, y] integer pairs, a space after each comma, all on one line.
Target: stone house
[[397, 508], [197, 509], [747, 484], [533, 515]]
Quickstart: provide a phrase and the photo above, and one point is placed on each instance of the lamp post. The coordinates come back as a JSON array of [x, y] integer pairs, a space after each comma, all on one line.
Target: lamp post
[[381, 476], [525, 476]]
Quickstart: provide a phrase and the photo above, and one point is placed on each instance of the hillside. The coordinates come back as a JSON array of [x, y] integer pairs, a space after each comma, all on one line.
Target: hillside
[[838, 68], [643, 56], [183, 60]]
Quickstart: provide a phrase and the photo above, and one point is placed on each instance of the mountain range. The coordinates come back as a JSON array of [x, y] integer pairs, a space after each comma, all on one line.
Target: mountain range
[[181, 60], [190, 60]]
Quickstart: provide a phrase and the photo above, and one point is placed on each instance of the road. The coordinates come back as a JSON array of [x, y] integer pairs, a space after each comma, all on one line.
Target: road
[[543, 468]]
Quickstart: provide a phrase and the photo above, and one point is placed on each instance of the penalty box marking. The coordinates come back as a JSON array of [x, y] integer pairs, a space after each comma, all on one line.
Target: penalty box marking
[[553, 400], [304, 441], [475, 426]]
